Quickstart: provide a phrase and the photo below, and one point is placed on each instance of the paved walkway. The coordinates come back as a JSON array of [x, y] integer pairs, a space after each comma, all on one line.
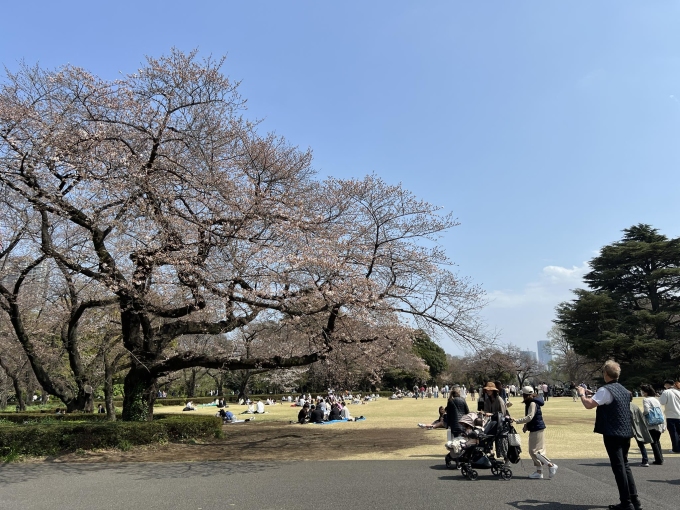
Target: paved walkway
[[376, 485]]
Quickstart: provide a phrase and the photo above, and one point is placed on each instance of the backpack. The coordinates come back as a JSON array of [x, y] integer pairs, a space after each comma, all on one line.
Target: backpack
[[654, 417]]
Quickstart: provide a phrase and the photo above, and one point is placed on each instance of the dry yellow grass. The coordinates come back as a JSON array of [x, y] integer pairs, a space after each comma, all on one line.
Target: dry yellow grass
[[569, 431]]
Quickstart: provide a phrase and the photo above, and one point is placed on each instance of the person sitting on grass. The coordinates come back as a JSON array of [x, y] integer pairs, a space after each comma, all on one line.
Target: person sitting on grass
[[440, 423], [259, 407], [303, 415], [250, 410], [316, 414], [335, 413], [344, 412], [189, 407], [227, 416]]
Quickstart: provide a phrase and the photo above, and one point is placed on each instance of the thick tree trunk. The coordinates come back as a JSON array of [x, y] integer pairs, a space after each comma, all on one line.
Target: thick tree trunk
[[243, 387], [84, 401], [139, 387]]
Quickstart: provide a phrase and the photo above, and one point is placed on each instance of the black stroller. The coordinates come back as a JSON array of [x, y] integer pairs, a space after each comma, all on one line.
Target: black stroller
[[481, 455]]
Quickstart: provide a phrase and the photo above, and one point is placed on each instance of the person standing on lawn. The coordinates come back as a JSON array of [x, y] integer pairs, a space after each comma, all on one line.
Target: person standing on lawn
[[612, 420], [533, 422]]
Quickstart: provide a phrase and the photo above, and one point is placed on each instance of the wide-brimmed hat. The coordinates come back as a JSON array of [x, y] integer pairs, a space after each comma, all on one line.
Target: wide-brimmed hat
[[527, 390], [491, 386]]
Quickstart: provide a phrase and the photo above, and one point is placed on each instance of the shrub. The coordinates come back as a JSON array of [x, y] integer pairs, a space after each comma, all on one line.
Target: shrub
[[32, 418], [69, 436]]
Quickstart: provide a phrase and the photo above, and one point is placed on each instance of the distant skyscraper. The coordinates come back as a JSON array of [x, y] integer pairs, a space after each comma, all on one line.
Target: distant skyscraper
[[544, 356]]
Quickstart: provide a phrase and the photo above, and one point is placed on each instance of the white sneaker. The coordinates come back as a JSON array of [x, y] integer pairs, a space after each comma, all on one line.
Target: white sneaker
[[537, 475], [552, 470]]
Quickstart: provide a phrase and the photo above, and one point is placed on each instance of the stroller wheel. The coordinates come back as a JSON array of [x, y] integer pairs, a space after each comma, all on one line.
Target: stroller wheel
[[447, 459], [494, 471], [506, 474], [473, 475]]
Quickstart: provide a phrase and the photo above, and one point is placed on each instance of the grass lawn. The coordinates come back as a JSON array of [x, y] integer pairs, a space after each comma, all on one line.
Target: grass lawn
[[569, 431]]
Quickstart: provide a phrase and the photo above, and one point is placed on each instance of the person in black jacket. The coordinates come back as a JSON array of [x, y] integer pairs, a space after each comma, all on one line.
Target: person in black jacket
[[303, 415], [456, 408], [612, 420], [316, 416], [335, 413]]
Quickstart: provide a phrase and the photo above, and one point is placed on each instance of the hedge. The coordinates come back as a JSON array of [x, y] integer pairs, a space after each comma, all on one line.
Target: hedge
[[40, 417], [68, 436]]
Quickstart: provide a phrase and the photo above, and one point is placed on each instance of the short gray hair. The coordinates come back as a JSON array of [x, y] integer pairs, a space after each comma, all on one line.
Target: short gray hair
[[612, 369]]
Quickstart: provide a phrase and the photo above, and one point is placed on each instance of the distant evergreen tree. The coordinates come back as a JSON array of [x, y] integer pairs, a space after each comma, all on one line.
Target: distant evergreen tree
[[632, 311]]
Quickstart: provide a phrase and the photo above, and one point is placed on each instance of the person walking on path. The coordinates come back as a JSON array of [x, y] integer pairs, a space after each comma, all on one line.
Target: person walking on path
[[493, 406], [640, 431], [651, 405], [533, 422], [612, 420], [670, 399]]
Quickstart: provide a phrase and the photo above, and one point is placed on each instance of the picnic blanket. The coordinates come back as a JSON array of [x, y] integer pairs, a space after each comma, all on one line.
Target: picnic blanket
[[339, 421]]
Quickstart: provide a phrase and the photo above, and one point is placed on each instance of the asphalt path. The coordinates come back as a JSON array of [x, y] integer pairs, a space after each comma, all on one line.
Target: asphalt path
[[390, 485]]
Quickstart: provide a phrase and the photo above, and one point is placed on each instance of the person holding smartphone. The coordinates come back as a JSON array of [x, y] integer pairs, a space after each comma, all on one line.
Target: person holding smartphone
[[613, 421]]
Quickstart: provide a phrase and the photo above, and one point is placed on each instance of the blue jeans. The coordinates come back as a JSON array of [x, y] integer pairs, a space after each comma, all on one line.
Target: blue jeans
[[673, 425]]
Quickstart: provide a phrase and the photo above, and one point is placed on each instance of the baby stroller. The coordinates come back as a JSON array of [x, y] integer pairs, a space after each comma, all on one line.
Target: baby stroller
[[477, 452]]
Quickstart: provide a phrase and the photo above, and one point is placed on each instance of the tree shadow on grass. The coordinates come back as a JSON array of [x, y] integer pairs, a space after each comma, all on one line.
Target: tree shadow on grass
[[550, 505]]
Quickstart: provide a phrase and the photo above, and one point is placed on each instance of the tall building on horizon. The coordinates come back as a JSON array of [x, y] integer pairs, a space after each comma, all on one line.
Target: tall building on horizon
[[544, 356]]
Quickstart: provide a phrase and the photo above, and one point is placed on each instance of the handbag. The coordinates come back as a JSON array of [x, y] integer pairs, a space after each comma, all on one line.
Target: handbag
[[654, 416], [514, 439]]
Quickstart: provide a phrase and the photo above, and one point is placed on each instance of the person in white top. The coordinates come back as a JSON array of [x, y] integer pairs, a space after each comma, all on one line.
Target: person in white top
[[650, 402], [670, 399], [259, 407]]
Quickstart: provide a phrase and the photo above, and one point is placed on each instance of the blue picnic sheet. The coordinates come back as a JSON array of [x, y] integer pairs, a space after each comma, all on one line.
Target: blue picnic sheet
[[339, 421]]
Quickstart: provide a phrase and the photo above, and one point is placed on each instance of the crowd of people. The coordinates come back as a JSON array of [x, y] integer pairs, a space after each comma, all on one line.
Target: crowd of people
[[329, 408], [618, 419]]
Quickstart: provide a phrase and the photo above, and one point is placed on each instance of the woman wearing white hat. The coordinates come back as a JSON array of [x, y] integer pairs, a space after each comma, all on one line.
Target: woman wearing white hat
[[533, 422]]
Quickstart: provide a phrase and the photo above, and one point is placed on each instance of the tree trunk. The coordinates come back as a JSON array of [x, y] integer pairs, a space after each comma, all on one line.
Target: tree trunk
[[190, 382], [108, 390], [21, 403], [84, 401], [243, 386], [139, 387]]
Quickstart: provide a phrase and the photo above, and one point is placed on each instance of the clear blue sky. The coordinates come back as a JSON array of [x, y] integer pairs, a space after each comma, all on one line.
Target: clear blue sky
[[545, 127]]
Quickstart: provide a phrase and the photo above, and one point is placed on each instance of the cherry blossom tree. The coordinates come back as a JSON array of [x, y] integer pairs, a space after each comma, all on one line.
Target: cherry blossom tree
[[196, 224]]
